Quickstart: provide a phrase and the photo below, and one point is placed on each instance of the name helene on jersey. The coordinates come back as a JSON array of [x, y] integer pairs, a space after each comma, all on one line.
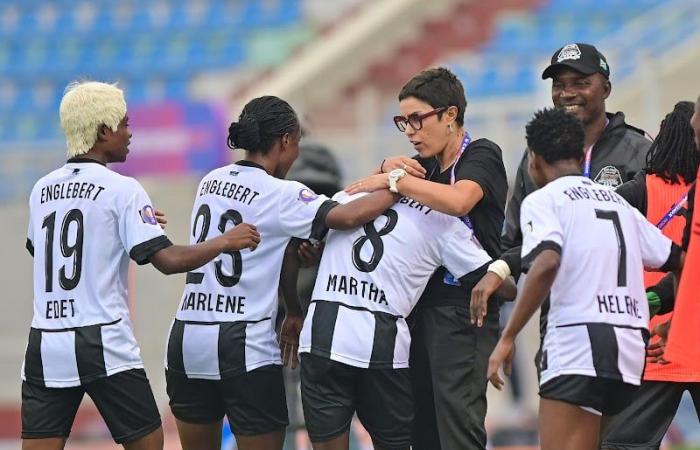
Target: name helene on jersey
[[607, 304]]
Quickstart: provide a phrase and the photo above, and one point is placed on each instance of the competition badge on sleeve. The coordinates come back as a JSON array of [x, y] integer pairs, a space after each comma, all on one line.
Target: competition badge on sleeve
[[148, 215], [306, 195]]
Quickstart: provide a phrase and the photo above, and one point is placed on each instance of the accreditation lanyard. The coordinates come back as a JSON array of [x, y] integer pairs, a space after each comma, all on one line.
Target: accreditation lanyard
[[674, 210], [465, 143], [589, 153], [449, 278]]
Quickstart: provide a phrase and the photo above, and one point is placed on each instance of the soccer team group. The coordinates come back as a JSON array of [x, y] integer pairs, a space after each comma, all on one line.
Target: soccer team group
[[413, 260]]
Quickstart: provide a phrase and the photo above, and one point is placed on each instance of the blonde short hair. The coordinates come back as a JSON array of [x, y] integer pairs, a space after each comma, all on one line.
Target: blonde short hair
[[85, 106]]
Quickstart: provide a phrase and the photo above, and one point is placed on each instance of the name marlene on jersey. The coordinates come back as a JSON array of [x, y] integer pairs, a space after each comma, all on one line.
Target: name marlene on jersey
[[614, 304], [61, 191], [227, 189], [601, 195], [344, 284], [200, 301]]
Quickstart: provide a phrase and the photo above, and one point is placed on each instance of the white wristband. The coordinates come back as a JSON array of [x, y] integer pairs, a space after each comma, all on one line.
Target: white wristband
[[500, 268]]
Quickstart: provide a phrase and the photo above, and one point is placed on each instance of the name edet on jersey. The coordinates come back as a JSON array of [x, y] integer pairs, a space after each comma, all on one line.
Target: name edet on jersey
[[414, 204], [612, 304], [230, 190], [591, 193], [200, 301], [344, 284], [72, 189], [60, 309]]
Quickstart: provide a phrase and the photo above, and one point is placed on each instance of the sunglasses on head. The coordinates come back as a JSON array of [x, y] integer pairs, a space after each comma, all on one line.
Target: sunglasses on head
[[415, 119]]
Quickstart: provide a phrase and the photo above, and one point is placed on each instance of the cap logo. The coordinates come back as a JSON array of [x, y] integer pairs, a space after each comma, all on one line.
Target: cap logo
[[570, 51], [603, 65]]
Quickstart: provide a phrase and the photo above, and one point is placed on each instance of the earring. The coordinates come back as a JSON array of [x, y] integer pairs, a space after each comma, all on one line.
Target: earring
[[449, 127]]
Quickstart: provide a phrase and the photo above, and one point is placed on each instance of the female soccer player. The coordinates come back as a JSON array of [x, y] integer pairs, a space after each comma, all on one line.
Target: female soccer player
[[85, 222], [222, 355], [464, 177], [586, 246]]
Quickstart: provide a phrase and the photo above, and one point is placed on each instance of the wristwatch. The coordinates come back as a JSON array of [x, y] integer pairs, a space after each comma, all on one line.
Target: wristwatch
[[394, 177]]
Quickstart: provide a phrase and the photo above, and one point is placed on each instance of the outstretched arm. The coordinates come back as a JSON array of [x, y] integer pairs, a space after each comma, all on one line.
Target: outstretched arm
[[538, 283], [360, 211], [183, 258]]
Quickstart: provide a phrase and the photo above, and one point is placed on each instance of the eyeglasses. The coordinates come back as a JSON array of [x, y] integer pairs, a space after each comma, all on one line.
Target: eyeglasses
[[415, 119]]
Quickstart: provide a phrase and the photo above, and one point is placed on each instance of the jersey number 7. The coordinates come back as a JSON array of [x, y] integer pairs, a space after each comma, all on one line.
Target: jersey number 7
[[622, 248]]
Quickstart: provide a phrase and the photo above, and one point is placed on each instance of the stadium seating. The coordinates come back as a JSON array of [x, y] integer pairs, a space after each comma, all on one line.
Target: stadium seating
[[154, 49], [510, 63]]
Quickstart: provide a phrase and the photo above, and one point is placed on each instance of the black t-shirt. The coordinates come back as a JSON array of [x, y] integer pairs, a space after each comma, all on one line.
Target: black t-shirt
[[481, 162]]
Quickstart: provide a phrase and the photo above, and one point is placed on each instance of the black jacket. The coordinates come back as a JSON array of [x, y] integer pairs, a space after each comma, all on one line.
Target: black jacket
[[617, 156]]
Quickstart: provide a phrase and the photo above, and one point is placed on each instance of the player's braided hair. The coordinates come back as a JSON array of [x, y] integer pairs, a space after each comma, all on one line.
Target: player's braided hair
[[262, 120], [438, 87], [555, 135], [673, 155]]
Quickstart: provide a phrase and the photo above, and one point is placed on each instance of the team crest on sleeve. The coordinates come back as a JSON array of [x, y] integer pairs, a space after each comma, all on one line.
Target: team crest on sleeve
[[148, 215], [306, 195], [570, 51], [609, 176]]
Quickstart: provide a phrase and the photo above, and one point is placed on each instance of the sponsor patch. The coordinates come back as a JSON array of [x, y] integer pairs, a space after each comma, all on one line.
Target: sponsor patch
[[148, 215], [570, 51], [307, 195], [609, 176]]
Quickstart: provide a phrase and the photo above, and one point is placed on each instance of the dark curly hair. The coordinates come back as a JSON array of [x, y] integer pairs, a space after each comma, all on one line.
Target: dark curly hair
[[262, 120], [555, 135], [673, 156], [437, 87]]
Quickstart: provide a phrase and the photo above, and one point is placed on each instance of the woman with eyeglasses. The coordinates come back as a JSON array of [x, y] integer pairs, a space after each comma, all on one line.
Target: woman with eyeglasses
[[460, 175]]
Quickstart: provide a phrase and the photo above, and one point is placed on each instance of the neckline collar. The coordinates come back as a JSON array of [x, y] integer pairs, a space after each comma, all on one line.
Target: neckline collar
[[79, 159], [246, 163]]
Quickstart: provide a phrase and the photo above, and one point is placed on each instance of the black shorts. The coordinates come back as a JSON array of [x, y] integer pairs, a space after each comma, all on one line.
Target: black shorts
[[254, 402], [332, 392], [602, 395], [644, 423], [125, 401]]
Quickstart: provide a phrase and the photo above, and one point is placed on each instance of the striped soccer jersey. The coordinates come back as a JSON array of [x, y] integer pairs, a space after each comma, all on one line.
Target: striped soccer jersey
[[597, 321], [225, 323], [370, 278], [85, 221]]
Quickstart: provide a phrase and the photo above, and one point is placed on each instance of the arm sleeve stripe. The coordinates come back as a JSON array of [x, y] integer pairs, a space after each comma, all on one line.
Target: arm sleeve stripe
[[318, 226], [542, 246], [142, 253]]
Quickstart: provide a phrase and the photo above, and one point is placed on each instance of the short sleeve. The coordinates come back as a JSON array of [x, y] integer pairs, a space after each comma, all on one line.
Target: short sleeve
[[483, 164], [459, 251], [540, 227], [657, 250], [302, 212], [139, 231], [30, 237]]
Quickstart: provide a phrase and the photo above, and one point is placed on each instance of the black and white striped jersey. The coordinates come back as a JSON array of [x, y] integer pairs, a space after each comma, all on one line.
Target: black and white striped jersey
[[370, 279], [597, 321], [224, 324], [85, 221]]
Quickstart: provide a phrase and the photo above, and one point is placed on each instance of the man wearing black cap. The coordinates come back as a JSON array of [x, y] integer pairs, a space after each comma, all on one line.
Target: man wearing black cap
[[614, 150]]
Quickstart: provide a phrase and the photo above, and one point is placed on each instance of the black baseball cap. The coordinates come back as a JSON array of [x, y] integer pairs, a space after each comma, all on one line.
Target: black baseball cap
[[583, 58]]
